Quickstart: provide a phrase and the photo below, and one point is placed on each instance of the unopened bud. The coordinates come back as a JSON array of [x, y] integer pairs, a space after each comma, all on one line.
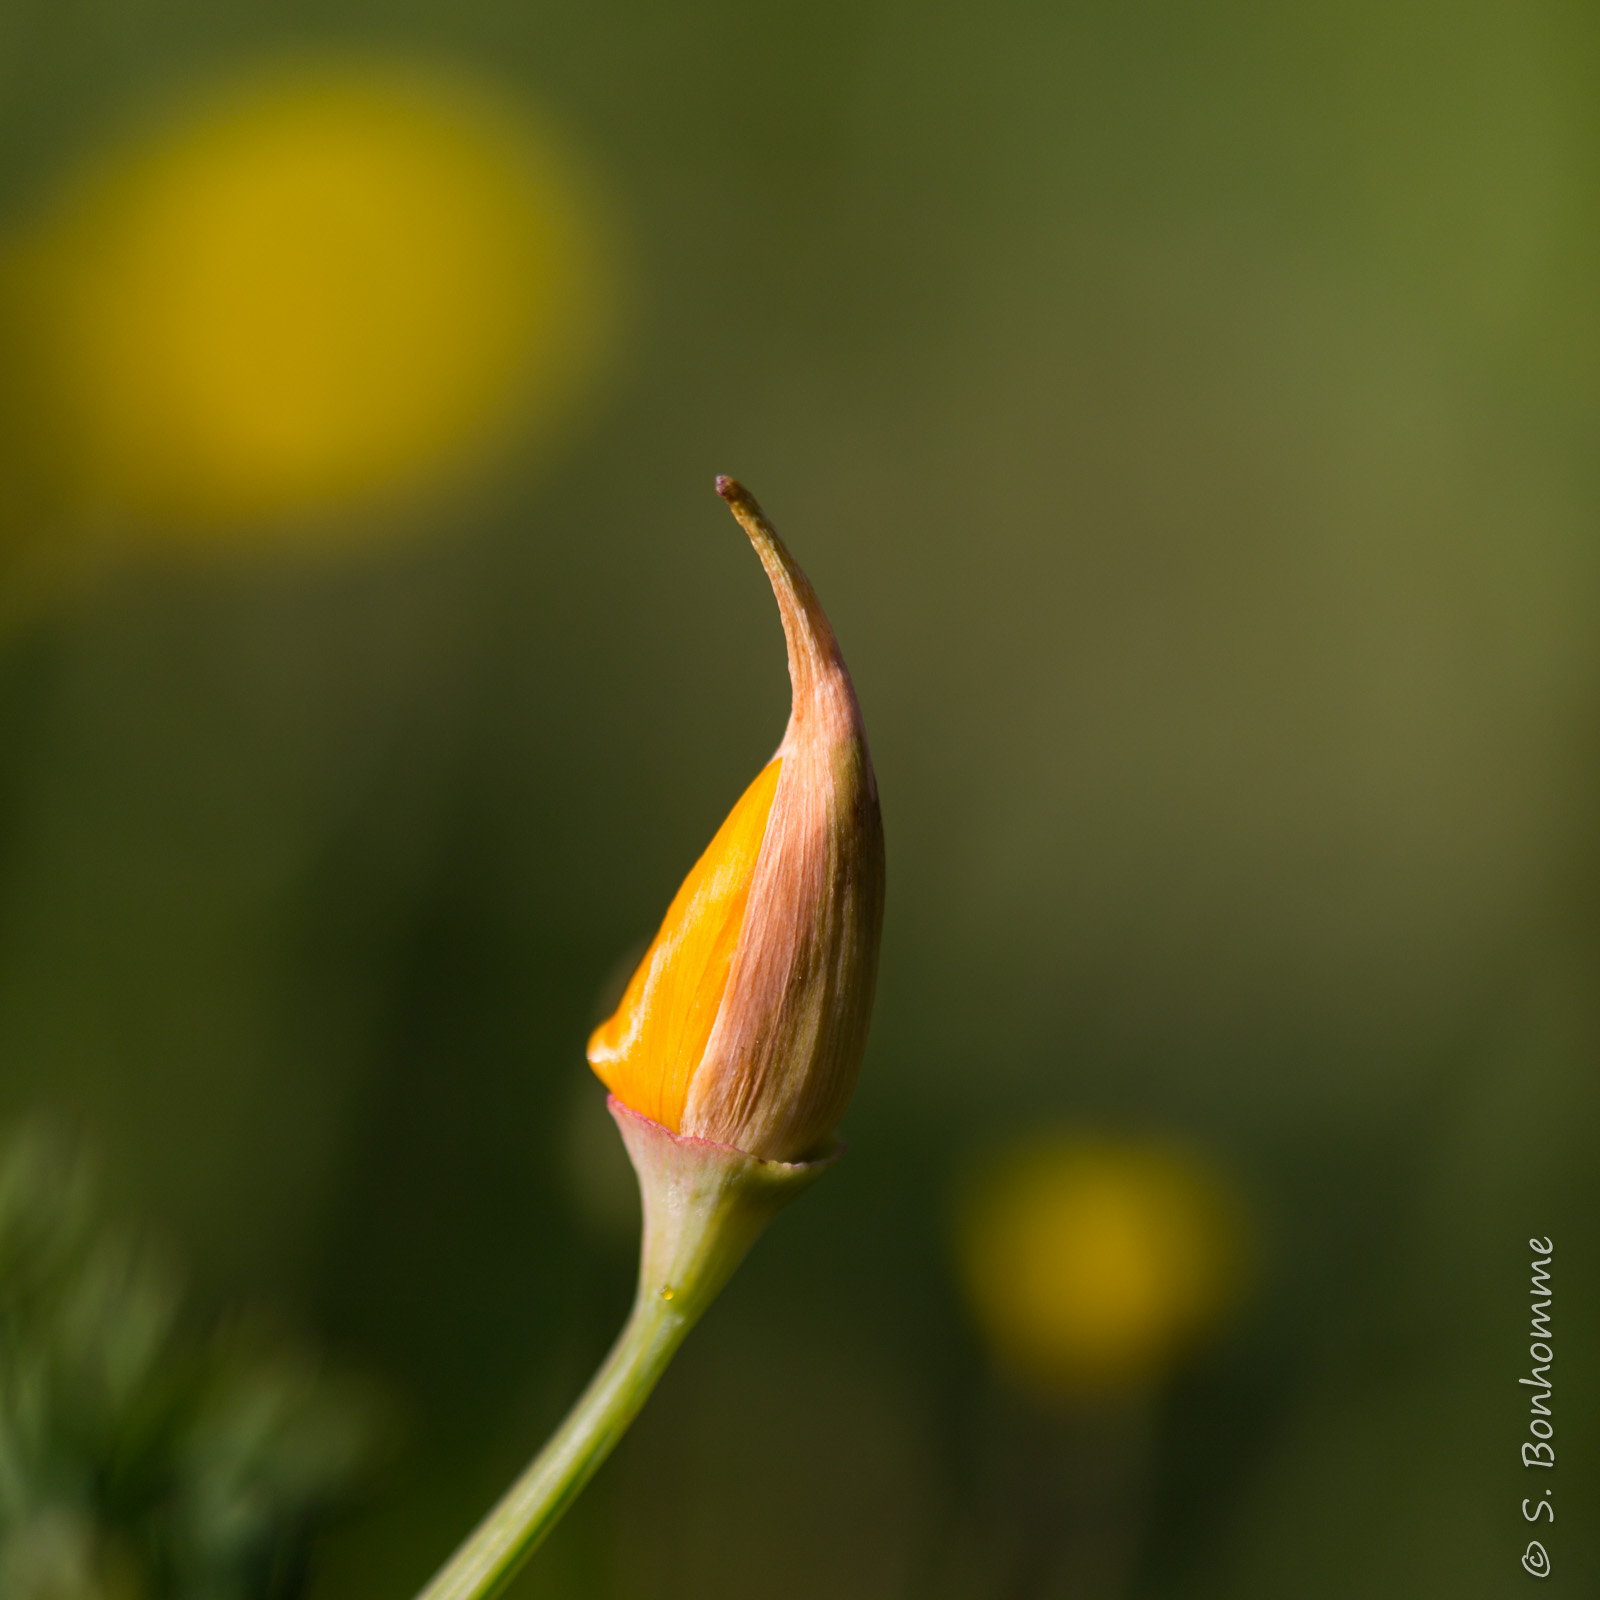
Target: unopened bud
[[746, 1021]]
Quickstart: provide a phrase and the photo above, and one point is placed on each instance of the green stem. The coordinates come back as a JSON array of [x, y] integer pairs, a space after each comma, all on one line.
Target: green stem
[[704, 1205], [491, 1557]]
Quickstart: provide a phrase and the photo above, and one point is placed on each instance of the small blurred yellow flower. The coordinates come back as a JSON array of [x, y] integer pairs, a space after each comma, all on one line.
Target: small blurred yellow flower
[[1091, 1265], [331, 287]]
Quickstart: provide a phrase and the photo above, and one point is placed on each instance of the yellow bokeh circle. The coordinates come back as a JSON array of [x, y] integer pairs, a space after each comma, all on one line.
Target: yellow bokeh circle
[[1091, 1264], [332, 286]]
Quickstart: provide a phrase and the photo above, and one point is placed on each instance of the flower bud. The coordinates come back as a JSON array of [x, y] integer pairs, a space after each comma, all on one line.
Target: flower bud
[[745, 1022]]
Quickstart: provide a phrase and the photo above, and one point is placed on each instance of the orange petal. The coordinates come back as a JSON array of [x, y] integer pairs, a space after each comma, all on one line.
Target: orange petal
[[647, 1053]]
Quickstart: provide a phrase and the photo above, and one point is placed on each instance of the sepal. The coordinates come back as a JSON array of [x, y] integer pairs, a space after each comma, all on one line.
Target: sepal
[[704, 1205]]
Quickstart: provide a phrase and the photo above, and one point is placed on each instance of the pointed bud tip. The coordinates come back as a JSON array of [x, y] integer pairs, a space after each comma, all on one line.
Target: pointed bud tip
[[742, 503], [812, 647]]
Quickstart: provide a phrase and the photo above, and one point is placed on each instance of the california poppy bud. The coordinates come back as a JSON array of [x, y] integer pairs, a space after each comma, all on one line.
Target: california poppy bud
[[746, 1021]]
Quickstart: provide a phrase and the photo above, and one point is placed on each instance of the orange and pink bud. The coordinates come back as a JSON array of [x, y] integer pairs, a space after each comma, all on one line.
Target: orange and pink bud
[[746, 1021]]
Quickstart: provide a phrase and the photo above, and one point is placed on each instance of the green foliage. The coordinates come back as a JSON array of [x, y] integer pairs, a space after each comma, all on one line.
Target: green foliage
[[138, 1462]]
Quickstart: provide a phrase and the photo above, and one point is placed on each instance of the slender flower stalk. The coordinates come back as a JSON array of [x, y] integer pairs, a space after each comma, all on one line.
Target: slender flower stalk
[[733, 1053]]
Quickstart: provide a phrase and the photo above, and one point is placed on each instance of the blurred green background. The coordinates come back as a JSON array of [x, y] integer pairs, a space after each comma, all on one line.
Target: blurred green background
[[1189, 416]]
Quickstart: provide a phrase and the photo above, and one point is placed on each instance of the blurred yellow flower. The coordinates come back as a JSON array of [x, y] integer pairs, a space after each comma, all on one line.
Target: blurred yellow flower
[[1091, 1265], [331, 287]]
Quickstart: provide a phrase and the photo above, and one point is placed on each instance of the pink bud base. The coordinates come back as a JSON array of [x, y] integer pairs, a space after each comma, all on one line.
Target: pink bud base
[[704, 1206]]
